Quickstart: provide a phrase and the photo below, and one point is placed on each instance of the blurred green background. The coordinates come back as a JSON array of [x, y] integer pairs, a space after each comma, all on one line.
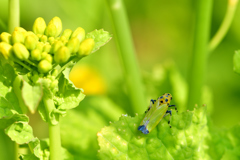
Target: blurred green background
[[163, 36]]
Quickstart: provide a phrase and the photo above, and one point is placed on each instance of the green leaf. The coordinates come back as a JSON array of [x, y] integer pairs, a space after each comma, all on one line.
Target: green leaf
[[223, 143], [5, 79], [100, 37], [8, 115], [65, 77], [80, 126], [20, 132], [69, 96], [35, 147], [28, 157], [78, 132], [236, 62], [32, 95], [122, 140], [7, 75], [66, 155], [47, 108], [42, 112], [45, 83], [40, 149]]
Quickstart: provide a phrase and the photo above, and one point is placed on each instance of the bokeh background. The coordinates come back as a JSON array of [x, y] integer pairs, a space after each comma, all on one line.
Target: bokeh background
[[163, 37]]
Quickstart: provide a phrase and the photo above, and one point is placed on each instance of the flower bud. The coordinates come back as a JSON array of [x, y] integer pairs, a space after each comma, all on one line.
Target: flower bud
[[56, 45], [57, 39], [39, 35], [34, 77], [20, 51], [67, 33], [54, 84], [17, 37], [51, 30], [49, 58], [28, 33], [63, 39], [86, 47], [43, 55], [40, 46], [47, 47], [44, 66], [6, 50], [20, 29], [50, 77], [54, 27], [6, 37], [44, 38], [36, 55], [51, 40], [73, 45], [31, 42], [58, 23], [39, 26], [62, 55], [79, 33]]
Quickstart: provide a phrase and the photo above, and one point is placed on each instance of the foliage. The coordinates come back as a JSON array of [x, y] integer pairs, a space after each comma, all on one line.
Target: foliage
[[34, 69], [36, 65], [191, 137]]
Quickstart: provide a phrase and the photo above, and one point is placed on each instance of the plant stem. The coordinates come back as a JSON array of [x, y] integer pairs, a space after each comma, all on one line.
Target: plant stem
[[13, 20], [127, 53], [200, 49], [16, 151], [55, 141], [54, 130], [63, 67], [30, 62], [22, 64], [232, 5]]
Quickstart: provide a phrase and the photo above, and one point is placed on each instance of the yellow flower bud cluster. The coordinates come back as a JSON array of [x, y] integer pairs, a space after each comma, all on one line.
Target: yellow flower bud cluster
[[44, 46]]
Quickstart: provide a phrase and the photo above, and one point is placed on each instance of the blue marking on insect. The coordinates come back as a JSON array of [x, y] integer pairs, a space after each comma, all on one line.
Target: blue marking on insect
[[153, 101], [143, 129]]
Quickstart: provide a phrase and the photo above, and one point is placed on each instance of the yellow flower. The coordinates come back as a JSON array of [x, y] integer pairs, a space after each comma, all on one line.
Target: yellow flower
[[88, 79]]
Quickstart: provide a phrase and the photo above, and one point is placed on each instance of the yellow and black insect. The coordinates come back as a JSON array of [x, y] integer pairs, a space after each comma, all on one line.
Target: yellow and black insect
[[156, 111]]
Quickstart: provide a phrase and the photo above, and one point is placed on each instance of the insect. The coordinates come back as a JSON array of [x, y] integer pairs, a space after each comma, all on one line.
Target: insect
[[155, 112]]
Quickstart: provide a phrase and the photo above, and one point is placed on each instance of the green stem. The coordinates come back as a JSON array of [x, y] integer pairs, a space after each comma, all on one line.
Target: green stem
[[55, 141], [13, 20], [30, 62], [22, 64], [16, 151], [127, 53], [232, 5], [200, 49], [65, 66], [54, 130]]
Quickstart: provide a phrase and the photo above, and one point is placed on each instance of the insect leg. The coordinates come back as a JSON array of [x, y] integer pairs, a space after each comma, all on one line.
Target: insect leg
[[173, 106], [170, 112]]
